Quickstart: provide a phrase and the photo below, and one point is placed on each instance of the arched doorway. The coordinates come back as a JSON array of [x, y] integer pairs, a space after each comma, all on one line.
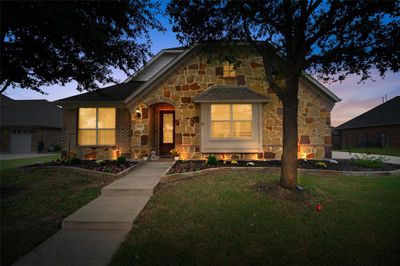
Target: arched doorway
[[162, 128]]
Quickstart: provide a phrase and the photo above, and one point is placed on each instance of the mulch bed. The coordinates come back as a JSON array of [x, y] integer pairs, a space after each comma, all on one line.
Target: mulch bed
[[344, 165], [106, 166]]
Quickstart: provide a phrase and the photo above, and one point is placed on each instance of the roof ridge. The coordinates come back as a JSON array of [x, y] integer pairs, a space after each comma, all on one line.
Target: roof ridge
[[367, 114]]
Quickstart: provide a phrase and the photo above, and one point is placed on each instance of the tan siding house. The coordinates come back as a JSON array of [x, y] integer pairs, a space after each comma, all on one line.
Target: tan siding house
[[197, 106]]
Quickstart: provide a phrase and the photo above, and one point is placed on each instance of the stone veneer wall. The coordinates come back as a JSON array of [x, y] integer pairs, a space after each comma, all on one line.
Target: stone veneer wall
[[122, 136], [196, 75]]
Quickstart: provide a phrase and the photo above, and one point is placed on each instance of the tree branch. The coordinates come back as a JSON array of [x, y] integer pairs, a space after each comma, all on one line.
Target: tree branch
[[8, 83], [267, 68]]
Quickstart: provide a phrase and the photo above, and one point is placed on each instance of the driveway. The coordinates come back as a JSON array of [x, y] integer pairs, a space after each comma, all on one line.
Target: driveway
[[348, 155], [12, 156]]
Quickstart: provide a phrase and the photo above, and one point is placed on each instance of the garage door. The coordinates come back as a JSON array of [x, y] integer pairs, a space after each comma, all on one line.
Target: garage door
[[21, 141]]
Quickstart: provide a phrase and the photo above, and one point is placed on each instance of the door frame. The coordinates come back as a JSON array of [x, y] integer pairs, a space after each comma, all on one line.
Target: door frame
[[161, 132]]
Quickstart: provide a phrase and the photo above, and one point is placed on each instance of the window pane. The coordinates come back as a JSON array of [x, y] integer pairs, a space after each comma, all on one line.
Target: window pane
[[229, 70], [220, 112], [87, 137], [220, 129], [168, 128], [106, 118], [106, 137], [242, 111], [87, 117], [242, 129]]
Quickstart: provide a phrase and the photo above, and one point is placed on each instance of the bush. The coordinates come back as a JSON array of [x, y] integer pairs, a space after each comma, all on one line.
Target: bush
[[370, 162], [57, 148], [212, 160], [100, 162], [74, 161], [121, 160]]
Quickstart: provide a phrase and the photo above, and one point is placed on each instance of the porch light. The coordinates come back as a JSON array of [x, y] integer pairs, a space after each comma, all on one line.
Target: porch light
[[138, 112]]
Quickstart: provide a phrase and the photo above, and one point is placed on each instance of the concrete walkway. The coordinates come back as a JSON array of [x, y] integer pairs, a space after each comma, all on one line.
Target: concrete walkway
[[91, 235], [347, 155]]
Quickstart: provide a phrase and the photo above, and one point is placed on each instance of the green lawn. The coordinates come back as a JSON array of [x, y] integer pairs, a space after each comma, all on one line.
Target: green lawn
[[7, 166], [221, 220], [34, 203], [375, 150]]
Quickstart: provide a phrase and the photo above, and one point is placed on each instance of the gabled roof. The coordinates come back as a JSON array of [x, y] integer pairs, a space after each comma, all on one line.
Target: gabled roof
[[148, 85], [129, 91], [230, 94], [154, 62], [115, 93], [385, 114], [39, 113]]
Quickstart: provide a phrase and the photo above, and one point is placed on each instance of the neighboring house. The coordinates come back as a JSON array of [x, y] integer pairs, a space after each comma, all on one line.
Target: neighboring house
[[199, 106], [29, 125], [378, 127]]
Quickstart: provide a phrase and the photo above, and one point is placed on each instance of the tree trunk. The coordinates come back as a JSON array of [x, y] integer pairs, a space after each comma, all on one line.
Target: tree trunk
[[289, 158]]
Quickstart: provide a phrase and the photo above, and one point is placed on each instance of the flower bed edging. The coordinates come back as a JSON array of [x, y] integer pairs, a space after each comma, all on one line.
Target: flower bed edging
[[86, 172], [187, 175]]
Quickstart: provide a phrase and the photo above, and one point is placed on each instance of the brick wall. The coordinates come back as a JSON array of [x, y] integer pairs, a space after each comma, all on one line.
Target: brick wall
[[122, 136], [384, 136], [48, 136]]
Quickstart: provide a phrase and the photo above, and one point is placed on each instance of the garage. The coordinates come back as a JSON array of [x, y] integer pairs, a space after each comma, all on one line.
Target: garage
[[21, 141]]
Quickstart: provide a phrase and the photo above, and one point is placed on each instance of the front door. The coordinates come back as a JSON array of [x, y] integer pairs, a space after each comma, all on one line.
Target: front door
[[167, 132]]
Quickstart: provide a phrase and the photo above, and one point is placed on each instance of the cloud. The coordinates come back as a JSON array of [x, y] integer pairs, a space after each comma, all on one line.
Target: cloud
[[359, 98]]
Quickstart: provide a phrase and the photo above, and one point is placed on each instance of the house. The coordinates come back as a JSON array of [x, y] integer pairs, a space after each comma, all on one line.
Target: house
[[198, 105], [29, 125], [378, 127]]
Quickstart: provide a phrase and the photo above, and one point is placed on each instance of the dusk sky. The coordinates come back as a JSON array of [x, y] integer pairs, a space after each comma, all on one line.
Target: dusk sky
[[356, 98]]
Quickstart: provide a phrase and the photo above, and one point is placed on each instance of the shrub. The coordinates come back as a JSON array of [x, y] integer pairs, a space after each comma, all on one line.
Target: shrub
[[100, 162], [121, 160], [370, 162], [74, 161], [212, 160]]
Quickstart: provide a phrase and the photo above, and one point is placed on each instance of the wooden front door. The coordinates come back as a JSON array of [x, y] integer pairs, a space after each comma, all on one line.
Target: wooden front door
[[167, 132]]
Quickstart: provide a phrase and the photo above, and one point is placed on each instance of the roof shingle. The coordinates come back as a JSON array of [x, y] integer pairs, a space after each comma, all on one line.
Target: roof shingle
[[40, 113], [115, 93], [230, 94], [387, 113]]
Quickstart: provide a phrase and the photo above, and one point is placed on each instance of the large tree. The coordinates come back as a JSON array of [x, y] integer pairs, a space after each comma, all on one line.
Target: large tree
[[329, 37], [50, 42]]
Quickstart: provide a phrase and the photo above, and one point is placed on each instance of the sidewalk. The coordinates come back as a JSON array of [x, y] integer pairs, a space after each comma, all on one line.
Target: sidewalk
[[91, 235], [347, 155]]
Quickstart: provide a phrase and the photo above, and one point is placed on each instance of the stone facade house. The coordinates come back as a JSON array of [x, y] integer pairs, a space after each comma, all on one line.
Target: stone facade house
[[198, 106]]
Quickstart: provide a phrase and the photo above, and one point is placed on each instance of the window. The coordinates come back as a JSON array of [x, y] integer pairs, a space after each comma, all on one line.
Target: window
[[231, 120], [96, 126], [229, 70]]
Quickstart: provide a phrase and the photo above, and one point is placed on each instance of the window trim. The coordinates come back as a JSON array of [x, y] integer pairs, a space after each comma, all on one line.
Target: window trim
[[96, 128], [237, 145], [231, 120]]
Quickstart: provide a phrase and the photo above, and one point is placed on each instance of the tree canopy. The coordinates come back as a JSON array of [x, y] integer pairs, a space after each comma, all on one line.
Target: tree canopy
[[49, 42], [332, 38]]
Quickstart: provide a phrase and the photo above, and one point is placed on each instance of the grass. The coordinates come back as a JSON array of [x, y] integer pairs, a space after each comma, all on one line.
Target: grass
[[221, 220], [374, 150], [34, 203], [8, 166]]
